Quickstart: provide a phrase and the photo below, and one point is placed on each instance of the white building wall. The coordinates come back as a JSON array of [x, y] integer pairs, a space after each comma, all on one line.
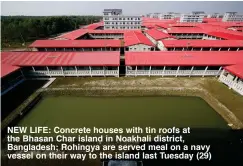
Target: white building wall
[[232, 17], [140, 47], [122, 22], [169, 39], [161, 28], [191, 18], [167, 72], [177, 15], [155, 41], [165, 31], [151, 39], [232, 81], [165, 16], [214, 15], [75, 72], [33, 49], [209, 37], [155, 15], [161, 46]]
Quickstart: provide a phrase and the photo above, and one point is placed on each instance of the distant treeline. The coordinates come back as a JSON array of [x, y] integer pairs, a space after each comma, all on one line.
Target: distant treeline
[[21, 29]]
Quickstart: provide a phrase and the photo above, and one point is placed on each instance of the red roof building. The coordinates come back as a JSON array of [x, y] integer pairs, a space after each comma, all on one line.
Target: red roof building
[[211, 20], [162, 25], [158, 35], [133, 38], [61, 58], [227, 36], [239, 29], [73, 34], [202, 43], [7, 69], [184, 30], [227, 24], [193, 58], [185, 24], [111, 31], [80, 52], [236, 69], [232, 76], [94, 26], [76, 43]]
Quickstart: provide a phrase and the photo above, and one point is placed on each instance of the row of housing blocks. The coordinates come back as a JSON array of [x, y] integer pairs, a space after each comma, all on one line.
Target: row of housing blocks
[[157, 48], [198, 16]]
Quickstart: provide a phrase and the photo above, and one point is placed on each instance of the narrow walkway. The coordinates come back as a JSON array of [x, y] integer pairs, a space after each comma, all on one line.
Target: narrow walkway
[[51, 80]]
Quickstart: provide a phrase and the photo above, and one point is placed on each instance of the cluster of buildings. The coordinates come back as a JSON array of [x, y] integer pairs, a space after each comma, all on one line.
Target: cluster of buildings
[[164, 16], [157, 48], [232, 17], [114, 19], [193, 17], [215, 15], [198, 16]]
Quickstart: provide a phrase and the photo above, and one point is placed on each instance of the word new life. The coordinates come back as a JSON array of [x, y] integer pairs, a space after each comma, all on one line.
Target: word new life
[[17, 130]]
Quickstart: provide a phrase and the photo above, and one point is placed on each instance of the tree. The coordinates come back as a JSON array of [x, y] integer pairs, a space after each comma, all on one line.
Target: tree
[[16, 29]]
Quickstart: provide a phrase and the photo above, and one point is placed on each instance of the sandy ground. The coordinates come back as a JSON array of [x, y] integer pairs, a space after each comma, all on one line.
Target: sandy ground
[[165, 82], [137, 82]]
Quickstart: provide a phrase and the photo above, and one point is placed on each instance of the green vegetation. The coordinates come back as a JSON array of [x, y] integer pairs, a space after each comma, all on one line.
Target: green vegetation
[[16, 31], [232, 100], [16, 46]]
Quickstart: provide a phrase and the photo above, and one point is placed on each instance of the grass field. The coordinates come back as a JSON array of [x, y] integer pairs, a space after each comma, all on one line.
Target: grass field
[[123, 112], [15, 46]]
